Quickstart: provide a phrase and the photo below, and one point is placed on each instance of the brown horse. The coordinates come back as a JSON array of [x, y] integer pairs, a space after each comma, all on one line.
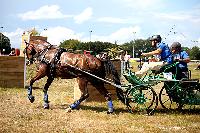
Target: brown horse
[[55, 62]]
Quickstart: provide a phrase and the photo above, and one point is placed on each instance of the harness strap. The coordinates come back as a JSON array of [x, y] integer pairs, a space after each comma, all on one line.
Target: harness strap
[[55, 61]]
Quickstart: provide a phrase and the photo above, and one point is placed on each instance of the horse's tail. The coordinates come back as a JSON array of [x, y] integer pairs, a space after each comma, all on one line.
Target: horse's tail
[[110, 69]]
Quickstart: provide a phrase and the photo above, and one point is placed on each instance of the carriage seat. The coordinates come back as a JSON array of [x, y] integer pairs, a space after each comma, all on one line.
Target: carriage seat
[[191, 82]]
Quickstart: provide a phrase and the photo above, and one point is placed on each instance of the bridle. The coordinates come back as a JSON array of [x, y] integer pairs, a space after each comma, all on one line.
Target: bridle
[[36, 55], [32, 52]]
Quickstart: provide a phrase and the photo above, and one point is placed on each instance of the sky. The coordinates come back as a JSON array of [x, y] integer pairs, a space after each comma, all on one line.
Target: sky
[[102, 20]]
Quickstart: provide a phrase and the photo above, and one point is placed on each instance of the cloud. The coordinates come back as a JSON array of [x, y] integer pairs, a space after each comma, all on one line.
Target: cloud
[[44, 12], [120, 36], [143, 4], [62, 33], [124, 34], [116, 20], [185, 15], [178, 37], [111, 20], [53, 12], [15, 37], [84, 16], [179, 16]]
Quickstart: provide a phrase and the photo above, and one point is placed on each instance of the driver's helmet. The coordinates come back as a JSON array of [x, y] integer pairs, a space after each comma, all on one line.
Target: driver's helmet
[[156, 37], [176, 46]]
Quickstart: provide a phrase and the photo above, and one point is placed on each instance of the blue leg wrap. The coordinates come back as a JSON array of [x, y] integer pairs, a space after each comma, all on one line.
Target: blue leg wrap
[[30, 96], [45, 97], [29, 90], [46, 102], [75, 104], [110, 106]]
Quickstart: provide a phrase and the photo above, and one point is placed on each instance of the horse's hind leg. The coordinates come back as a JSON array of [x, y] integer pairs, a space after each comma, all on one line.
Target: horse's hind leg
[[84, 93], [103, 91], [45, 90]]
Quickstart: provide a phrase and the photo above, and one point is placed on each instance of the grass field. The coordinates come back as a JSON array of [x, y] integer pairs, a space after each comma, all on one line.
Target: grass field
[[17, 114]]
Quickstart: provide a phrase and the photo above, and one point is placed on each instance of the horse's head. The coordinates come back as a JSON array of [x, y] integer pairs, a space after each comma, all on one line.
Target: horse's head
[[36, 48], [30, 51]]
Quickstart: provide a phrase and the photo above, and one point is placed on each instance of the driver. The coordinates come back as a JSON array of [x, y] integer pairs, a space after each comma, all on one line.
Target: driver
[[162, 50]]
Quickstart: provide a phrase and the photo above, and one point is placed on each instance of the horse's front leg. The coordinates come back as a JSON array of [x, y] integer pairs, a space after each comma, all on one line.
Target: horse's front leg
[[41, 72], [30, 88], [30, 96], [45, 90]]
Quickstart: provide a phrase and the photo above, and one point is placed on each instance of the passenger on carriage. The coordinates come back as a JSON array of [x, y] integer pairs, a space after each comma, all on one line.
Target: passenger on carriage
[[182, 57], [162, 50]]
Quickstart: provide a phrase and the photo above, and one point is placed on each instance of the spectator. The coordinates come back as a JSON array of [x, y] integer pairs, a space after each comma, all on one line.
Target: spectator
[[12, 53], [126, 59]]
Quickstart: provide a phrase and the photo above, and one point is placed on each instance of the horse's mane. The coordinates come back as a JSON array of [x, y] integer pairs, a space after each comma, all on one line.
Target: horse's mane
[[39, 42]]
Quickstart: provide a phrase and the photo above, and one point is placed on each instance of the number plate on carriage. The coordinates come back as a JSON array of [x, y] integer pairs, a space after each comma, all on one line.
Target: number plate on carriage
[[168, 75]]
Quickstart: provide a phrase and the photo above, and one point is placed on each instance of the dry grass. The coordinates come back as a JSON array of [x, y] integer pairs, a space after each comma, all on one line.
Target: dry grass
[[17, 114]]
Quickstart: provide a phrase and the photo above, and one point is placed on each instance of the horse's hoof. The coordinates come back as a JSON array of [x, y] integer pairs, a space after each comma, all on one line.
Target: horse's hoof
[[68, 110], [31, 98], [46, 106], [108, 112], [150, 112]]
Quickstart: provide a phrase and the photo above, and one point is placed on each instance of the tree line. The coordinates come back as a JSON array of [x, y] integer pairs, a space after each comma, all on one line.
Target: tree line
[[140, 45], [97, 47]]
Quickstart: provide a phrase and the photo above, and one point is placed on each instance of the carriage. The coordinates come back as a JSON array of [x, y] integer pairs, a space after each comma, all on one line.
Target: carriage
[[138, 94], [175, 94]]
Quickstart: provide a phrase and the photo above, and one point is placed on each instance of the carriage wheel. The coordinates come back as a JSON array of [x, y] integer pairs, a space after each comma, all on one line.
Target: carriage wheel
[[167, 101], [194, 104], [141, 98]]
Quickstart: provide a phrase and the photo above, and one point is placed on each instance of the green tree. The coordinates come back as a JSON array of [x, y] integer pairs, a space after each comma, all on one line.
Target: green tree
[[5, 46], [96, 46], [70, 44], [194, 53], [139, 45]]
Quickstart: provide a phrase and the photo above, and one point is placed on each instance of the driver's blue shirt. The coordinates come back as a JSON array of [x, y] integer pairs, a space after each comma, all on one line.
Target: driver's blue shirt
[[181, 55], [165, 54]]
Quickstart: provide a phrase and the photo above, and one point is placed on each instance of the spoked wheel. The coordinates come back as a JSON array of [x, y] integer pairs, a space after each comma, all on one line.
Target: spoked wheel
[[141, 98], [167, 101], [190, 101], [193, 96]]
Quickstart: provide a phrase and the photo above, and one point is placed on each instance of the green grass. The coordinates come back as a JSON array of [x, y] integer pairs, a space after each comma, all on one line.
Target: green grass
[[19, 115]]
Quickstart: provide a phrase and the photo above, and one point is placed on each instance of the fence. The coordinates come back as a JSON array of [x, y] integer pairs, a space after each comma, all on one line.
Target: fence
[[12, 71]]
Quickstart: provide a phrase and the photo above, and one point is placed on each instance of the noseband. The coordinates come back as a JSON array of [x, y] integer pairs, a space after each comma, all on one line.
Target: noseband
[[32, 52]]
